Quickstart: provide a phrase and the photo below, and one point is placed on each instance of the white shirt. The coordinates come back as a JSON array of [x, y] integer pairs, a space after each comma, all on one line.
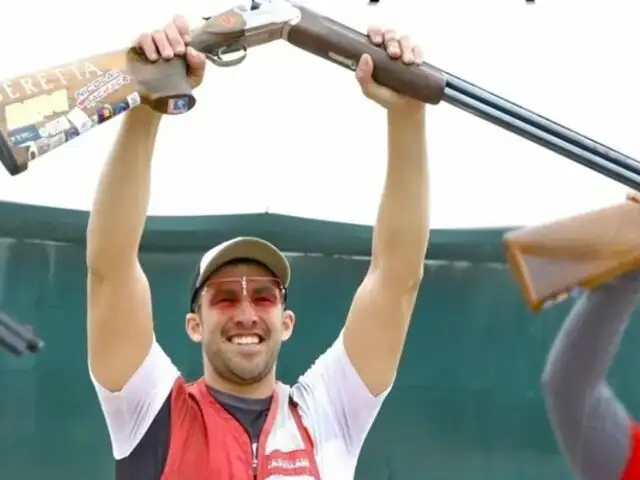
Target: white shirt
[[334, 403]]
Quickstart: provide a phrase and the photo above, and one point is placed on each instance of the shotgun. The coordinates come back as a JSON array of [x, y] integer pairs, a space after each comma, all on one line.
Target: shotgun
[[44, 110]]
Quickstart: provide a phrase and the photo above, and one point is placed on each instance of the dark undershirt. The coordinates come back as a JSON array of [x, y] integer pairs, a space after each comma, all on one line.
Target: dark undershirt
[[148, 458]]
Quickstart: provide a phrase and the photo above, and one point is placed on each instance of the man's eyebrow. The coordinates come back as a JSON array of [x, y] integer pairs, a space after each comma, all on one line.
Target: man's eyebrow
[[263, 287], [223, 289]]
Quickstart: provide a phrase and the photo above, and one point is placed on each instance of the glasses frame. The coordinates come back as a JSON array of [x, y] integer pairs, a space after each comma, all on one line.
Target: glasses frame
[[200, 293]]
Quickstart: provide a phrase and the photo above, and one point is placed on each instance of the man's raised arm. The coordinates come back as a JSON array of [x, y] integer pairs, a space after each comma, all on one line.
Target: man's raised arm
[[120, 329], [120, 326], [378, 320]]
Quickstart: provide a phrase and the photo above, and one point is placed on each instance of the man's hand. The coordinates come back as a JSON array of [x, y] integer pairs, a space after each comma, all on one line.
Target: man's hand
[[399, 48], [173, 40]]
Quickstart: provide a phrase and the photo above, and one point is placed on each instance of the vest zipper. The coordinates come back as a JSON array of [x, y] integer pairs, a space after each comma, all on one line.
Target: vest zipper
[[254, 453], [254, 462]]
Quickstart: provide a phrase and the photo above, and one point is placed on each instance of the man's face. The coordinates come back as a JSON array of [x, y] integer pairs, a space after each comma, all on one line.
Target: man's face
[[241, 322]]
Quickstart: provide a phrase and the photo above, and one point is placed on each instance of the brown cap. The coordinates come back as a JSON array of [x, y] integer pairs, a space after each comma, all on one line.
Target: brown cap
[[250, 248]]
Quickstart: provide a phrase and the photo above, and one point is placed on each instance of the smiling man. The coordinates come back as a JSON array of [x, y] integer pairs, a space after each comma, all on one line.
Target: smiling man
[[237, 422]]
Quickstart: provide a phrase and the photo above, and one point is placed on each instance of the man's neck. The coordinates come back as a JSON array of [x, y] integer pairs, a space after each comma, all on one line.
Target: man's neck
[[262, 389]]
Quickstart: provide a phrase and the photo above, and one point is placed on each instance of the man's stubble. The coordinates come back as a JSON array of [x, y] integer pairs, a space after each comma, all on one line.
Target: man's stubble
[[235, 369]]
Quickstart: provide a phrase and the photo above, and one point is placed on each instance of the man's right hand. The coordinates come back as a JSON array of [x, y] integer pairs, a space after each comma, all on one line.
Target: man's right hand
[[173, 40]]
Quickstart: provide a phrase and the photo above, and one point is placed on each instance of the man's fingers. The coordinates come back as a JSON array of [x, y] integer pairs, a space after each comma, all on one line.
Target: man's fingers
[[397, 47], [183, 27], [418, 56], [162, 44], [364, 73], [172, 41], [147, 46], [195, 59], [174, 38], [390, 34], [364, 69], [391, 43], [376, 35], [196, 63], [370, 88], [407, 50]]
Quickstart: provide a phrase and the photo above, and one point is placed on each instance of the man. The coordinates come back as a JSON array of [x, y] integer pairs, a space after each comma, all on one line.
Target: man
[[237, 422], [596, 435]]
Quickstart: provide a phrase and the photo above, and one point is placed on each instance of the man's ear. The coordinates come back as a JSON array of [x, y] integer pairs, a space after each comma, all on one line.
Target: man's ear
[[289, 320], [193, 325]]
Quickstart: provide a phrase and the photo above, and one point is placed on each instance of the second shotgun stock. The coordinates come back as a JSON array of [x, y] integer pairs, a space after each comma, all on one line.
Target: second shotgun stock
[[583, 251], [342, 45]]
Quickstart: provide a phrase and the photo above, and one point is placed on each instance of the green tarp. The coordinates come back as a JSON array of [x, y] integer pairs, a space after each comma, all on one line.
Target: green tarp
[[466, 404]]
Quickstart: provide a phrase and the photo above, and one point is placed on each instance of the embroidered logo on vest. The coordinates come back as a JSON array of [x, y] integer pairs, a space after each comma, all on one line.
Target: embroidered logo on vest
[[287, 451]]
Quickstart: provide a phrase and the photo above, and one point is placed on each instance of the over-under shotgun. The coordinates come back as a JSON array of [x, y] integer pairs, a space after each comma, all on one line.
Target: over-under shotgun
[[42, 111]]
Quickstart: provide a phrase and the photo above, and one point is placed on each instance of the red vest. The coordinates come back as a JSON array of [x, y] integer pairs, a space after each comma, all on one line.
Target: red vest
[[208, 443], [632, 471]]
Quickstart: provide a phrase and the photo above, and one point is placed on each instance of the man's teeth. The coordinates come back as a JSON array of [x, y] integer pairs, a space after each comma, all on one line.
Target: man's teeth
[[246, 340]]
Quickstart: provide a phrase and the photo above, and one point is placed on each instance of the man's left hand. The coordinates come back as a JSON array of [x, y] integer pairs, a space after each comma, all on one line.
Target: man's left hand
[[400, 49]]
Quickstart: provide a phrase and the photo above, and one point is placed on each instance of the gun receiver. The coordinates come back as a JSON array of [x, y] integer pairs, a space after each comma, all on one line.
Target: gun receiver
[[552, 260]]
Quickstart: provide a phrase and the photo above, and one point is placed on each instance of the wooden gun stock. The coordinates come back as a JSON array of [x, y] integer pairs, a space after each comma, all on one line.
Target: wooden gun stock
[[550, 261], [44, 110], [342, 45]]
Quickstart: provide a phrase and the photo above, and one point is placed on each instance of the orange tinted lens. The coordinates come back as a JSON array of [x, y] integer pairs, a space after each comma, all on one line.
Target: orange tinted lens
[[264, 292], [224, 294]]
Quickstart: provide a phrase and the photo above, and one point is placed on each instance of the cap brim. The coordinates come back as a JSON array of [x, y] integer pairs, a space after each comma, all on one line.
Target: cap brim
[[250, 248]]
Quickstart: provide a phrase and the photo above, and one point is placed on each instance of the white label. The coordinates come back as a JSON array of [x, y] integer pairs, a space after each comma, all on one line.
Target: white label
[[91, 94], [57, 141], [80, 120], [36, 109], [133, 99], [55, 127]]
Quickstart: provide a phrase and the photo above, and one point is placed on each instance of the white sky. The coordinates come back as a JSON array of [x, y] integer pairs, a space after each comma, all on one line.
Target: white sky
[[316, 148]]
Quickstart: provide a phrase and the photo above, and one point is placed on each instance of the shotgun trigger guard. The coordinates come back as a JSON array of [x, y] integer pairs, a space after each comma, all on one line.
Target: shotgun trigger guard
[[216, 56]]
